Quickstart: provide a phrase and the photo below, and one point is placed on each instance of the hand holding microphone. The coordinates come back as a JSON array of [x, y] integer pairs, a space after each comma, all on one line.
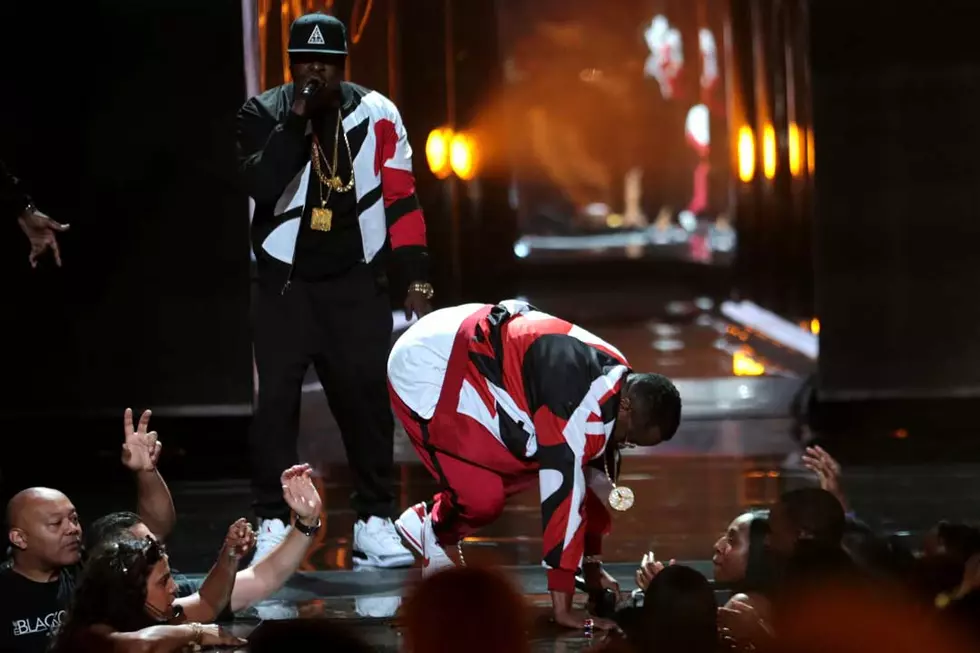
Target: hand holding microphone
[[305, 97], [310, 89]]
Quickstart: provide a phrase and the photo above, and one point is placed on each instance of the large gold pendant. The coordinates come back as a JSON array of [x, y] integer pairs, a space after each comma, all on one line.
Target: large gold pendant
[[321, 219], [621, 498]]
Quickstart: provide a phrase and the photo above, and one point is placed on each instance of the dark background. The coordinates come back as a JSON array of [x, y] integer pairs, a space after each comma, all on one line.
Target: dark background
[[120, 116], [896, 96]]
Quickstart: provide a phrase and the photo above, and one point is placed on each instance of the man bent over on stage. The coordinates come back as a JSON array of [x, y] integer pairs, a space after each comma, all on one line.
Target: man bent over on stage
[[496, 398]]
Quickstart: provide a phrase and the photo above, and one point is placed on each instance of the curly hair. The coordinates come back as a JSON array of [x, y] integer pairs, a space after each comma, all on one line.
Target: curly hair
[[112, 589]]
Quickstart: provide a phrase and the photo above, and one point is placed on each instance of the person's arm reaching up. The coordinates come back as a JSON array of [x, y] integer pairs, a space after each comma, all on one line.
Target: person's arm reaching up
[[140, 454], [264, 578], [208, 602]]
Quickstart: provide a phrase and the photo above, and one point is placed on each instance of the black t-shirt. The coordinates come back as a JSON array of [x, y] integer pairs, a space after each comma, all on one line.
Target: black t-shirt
[[324, 254], [31, 612]]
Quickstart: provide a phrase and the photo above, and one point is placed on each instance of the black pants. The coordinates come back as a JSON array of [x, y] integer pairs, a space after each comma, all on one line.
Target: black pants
[[343, 327]]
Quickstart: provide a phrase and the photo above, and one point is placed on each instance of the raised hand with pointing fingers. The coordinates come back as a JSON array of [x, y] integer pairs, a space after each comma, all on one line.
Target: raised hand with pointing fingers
[[141, 448]]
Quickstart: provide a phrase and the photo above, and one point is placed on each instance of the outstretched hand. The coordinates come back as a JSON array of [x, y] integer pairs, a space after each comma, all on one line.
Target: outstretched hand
[[140, 449], [827, 470], [40, 231], [300, 493]]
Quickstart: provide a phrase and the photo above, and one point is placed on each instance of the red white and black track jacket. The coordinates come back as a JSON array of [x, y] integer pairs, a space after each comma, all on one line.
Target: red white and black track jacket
[[547, 390], [274, 162]]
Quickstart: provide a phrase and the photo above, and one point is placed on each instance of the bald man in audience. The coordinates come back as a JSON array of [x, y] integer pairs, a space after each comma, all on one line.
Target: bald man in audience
[[36, 585]]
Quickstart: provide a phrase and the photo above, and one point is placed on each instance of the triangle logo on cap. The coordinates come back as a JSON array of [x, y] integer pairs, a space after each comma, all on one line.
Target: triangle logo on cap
[[316, 38]]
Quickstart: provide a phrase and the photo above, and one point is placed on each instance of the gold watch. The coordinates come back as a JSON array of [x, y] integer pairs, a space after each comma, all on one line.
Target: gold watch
[[424, 289]]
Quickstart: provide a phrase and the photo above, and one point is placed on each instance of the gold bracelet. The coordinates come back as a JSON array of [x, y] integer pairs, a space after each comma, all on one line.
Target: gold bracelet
[[198, 633]]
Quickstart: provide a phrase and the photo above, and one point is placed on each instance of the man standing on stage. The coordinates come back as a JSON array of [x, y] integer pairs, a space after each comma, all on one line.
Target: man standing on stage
[[499, 398], [329, 166]]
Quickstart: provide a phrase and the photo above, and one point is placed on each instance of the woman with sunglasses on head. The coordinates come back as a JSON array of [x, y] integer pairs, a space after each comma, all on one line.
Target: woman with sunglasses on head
[[124, 601]]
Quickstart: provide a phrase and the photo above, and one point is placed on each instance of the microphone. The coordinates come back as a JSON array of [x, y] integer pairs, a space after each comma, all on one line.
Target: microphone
[[310, 89]]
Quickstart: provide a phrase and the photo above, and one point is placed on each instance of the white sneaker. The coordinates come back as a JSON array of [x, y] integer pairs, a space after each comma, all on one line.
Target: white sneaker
[[377, 544], [274, 610], [434, 558], [378, 607], [409, 526], [271, 533]]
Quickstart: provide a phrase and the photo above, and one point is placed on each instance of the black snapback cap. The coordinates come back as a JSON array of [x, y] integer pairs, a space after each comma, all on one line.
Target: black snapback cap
[[318, 33]]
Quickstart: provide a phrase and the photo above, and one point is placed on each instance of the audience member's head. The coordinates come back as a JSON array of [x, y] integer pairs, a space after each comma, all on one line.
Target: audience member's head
[[113, 526], [817, 563], [964, 615], [467, 608], [679, 614], [126, 585], [946, 549], [44, 532], [304, 635], [741, 557], [808, 514], [886, 559]]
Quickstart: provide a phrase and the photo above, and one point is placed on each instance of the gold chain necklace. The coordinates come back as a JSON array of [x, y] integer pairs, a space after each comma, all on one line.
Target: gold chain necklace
[[321, 218], [316, 155]]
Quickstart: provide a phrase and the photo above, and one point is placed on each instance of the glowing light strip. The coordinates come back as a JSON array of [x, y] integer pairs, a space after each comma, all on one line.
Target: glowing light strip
[[772, 326]]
